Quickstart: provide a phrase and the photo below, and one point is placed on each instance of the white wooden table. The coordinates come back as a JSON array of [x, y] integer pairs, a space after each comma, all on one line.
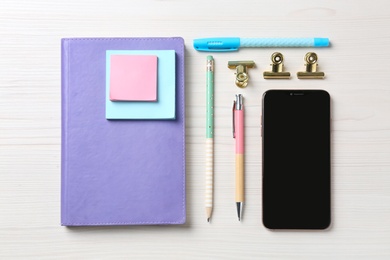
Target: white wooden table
[[357, 77]]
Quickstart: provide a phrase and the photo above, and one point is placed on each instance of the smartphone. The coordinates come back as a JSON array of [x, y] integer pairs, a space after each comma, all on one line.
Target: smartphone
[[296, 159]]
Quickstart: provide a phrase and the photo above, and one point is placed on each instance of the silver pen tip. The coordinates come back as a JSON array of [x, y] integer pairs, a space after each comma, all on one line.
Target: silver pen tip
[[239, 210]]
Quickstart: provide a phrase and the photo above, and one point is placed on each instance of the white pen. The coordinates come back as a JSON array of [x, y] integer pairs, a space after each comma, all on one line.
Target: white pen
[[233, 43], [209, 136]]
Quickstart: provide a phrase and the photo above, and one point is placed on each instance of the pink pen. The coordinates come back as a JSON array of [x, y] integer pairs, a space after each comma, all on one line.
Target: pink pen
[[238, 134]]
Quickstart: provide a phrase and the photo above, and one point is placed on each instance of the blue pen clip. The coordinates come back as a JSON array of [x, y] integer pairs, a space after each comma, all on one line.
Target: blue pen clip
[[217, 44]]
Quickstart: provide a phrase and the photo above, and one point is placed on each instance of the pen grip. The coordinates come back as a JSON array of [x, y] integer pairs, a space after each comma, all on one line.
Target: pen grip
[[209, 172]]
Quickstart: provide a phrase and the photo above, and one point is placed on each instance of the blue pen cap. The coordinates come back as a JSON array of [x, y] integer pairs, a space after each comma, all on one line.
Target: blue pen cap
[[321, 42], [217, 44]]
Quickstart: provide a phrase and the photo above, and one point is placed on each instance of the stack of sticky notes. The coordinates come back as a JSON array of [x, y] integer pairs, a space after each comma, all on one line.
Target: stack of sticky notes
[[140, 84]]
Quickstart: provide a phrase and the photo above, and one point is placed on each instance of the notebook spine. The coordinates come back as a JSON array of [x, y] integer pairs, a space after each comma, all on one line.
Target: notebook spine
[[64, 123]]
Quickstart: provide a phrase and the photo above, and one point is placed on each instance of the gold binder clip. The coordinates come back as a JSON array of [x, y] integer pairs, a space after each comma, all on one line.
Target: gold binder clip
[[241, 67], [277, 68], [311, 68]]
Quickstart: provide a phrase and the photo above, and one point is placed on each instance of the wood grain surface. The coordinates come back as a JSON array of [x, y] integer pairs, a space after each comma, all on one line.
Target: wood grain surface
[[357, 77]]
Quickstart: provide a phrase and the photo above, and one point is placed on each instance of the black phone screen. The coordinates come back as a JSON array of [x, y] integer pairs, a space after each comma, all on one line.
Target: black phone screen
[[296, 159]]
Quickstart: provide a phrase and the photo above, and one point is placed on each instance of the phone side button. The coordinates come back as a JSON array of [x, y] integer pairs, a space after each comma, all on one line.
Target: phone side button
[[261, 127]]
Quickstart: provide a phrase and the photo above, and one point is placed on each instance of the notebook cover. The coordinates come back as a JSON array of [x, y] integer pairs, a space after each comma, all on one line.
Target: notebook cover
[[118, 172], [164, 107]]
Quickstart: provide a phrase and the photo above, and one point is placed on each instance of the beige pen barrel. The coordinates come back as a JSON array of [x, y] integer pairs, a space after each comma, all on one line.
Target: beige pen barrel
[[240, 178], [209, 176]]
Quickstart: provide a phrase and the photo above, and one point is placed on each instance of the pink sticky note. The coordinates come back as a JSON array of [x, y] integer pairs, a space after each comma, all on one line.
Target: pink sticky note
[[133, 78]]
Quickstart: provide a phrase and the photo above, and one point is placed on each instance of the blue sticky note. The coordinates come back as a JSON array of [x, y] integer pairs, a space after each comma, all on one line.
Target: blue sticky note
[[164, 107]]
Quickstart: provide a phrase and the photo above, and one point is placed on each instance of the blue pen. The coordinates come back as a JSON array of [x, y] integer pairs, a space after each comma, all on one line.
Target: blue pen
[[233, 43]]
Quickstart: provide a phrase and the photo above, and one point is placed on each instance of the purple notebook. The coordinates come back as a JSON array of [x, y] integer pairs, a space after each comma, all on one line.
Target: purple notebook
[[118, 172]]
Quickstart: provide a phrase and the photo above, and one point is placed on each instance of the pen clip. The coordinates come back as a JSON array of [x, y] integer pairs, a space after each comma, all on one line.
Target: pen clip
[[234, 130]]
